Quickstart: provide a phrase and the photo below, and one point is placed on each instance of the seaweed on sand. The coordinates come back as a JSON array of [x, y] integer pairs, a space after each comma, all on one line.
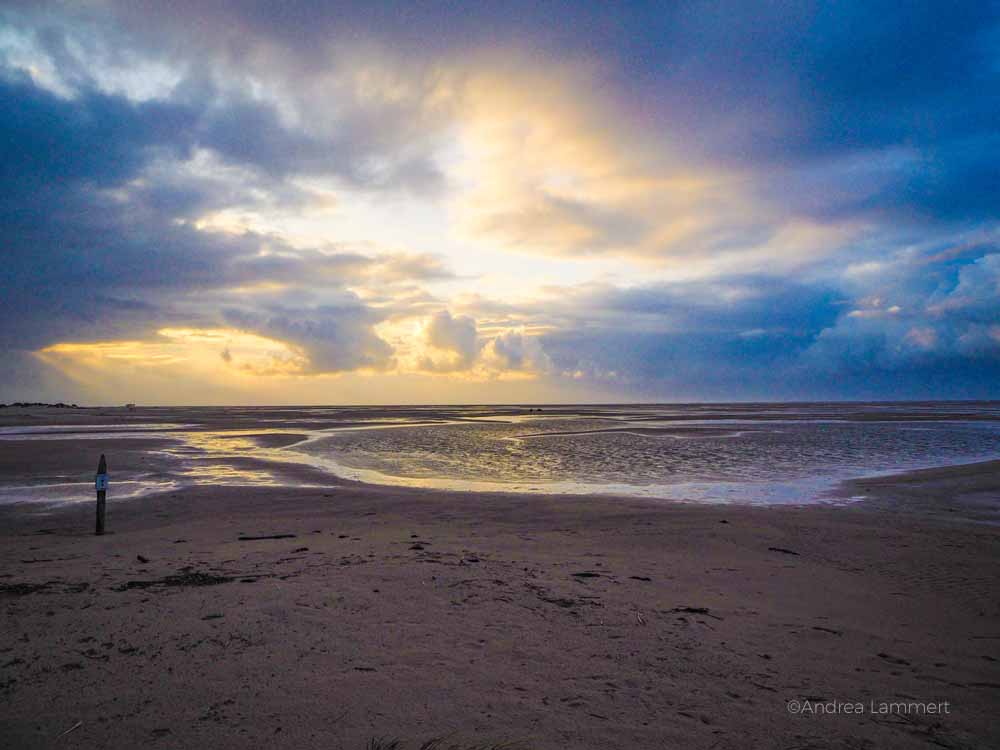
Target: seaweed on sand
[[184, 578]]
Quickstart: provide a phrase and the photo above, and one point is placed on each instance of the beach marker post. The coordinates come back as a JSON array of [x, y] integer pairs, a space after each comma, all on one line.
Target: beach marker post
[[101, 484]]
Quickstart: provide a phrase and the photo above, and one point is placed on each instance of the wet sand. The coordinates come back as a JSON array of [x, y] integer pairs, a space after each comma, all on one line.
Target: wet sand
[[950, 493], [574, 622]]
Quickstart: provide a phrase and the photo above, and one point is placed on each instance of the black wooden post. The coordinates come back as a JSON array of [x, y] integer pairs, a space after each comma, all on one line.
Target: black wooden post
[[101, 483]]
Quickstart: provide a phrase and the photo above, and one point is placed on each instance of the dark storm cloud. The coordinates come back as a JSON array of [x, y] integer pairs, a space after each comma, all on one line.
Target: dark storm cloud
[[817, 84], [251, 133], [367, 147], [733, 305], [924, 326], [772, 85], [957, 181], [828, 77], [665, 339], [88, 255], [97, 138], [65, 243], [306, 27], [865, 111]]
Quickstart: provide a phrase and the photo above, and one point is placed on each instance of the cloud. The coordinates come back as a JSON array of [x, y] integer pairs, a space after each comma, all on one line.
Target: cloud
[[101, 239], [925, 326], [514, 352], [410, 267], [757, 200], [453, 343], [332, 337]]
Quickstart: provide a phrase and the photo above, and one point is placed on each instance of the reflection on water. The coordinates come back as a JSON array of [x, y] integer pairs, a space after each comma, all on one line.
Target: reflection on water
[[205, 472], [769, 453], [76, 492], [181, 458], [703, 461]]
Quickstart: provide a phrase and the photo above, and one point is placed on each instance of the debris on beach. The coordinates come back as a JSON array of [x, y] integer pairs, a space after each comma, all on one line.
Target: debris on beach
[[184, 578]]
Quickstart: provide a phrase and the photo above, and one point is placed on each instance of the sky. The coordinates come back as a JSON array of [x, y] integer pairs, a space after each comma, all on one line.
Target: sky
[[222, 202]]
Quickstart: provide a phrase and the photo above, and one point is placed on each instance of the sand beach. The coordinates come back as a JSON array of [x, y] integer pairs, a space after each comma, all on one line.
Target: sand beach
[[324, 617]]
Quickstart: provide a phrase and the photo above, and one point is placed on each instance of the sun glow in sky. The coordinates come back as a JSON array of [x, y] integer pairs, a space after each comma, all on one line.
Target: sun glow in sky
[[236, 203]]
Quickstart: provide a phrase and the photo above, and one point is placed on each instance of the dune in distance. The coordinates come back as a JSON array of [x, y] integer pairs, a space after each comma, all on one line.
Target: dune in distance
[[706, 575]]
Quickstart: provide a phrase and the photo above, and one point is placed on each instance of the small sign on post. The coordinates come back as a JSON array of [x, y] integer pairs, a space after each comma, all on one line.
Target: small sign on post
[[101, 484]]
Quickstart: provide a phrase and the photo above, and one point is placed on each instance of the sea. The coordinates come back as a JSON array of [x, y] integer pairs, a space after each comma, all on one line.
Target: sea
[[755, 453]]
